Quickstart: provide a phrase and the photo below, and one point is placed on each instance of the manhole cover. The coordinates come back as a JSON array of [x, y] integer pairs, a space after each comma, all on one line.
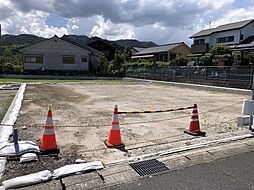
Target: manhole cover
[[149, 167]]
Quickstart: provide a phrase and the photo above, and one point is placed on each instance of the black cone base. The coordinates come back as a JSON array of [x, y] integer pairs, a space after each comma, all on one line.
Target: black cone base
[[199, 133]]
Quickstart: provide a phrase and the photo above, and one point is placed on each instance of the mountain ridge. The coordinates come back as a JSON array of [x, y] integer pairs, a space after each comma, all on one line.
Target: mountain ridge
[[29, 39]]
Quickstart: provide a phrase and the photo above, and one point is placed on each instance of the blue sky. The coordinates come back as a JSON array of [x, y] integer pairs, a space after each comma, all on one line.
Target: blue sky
[[243, 3], [160, 21], [56, 21]]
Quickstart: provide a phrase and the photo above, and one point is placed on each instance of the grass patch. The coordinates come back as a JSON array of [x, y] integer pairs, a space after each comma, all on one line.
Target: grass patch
[[7, 81], [4, 106], [43, 97]]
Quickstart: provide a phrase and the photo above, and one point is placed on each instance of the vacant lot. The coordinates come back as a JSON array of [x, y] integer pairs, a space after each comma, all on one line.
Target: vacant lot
[[82, 115]]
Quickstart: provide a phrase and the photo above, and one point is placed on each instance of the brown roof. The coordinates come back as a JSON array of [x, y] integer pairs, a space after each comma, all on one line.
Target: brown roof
[[225, 27]]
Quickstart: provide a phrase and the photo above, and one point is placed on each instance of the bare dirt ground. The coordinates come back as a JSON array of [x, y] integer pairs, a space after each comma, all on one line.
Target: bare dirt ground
[[82, 115], [6, 97]]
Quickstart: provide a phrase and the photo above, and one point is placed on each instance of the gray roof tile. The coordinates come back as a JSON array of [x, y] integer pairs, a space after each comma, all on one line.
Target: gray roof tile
[[225, 27], [158, 49], [83, 46]]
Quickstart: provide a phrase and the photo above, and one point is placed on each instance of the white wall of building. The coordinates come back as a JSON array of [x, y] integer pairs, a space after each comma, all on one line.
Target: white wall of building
[[248, 30], [235, 33]]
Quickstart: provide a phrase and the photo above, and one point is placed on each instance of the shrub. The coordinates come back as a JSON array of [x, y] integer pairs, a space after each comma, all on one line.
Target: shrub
[[163, 64], [181, 61], [219, 49], [205, 61], [10, 68]]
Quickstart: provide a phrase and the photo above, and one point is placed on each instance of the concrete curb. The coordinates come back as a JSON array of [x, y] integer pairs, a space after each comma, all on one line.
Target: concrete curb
[[9, 120], [45, 77], [180, 149], [198, 86]]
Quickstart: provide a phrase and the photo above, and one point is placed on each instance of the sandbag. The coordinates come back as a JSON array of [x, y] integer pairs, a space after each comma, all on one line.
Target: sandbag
[[80, 161], [11, 149], [28, 157], [76, 168], [27, 180], [9, 87]]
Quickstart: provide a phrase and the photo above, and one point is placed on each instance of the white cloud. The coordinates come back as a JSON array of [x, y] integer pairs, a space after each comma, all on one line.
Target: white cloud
[[106, 29], [217, 4], [234, 15], [33, 22], [162, 21]]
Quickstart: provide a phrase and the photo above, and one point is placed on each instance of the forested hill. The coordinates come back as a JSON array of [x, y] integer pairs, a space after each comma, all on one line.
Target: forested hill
[[27, 39], [21, 40]]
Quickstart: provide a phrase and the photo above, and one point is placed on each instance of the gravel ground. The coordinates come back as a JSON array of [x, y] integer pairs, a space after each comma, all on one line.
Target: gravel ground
[[82, 115]]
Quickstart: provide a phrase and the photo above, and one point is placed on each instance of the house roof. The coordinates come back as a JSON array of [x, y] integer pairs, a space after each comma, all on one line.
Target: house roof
[[225, 27], [101, 40], [247, 43], [138, 49], [158, 49], [83, 46], [141, 56], [70, 41]]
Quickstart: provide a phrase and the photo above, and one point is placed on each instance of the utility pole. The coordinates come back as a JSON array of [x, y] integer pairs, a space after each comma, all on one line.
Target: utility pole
[[1, 50], [251, 116]]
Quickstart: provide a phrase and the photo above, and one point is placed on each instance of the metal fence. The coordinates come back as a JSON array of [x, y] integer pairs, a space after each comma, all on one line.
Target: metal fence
[[238, 77]]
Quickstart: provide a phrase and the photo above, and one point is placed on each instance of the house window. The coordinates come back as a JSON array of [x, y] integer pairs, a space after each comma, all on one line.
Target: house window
[[196, 42], [84, 59], [220, 40], [231, 38], [241, 37], [68, 60], [27, 59], [200, 41], [33, 59], [225, 39]]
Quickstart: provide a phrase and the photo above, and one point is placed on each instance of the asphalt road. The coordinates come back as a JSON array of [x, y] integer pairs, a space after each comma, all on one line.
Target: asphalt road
[[231, 173]]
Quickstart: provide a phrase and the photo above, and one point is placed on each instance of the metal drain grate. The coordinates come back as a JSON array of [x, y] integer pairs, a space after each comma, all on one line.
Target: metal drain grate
[[149, 167]]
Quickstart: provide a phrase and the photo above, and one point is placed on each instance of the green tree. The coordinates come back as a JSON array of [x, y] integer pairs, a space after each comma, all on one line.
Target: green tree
[[219, 49], [127, 53], [102, 66], [116, 66], [11, 59]]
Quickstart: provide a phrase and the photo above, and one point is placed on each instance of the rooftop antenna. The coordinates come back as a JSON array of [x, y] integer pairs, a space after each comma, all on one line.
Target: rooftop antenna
[[210, 24]]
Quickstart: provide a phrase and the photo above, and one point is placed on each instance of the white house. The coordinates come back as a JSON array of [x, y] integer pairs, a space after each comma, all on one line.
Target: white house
[[232, 34]]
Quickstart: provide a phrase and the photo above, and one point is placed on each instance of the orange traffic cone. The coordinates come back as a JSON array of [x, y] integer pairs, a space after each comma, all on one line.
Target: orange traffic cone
[[114, 137], [48, 143], [194, 128]]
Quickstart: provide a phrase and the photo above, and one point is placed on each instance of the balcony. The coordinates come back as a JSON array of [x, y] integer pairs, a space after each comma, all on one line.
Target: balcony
[[199, 48]]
